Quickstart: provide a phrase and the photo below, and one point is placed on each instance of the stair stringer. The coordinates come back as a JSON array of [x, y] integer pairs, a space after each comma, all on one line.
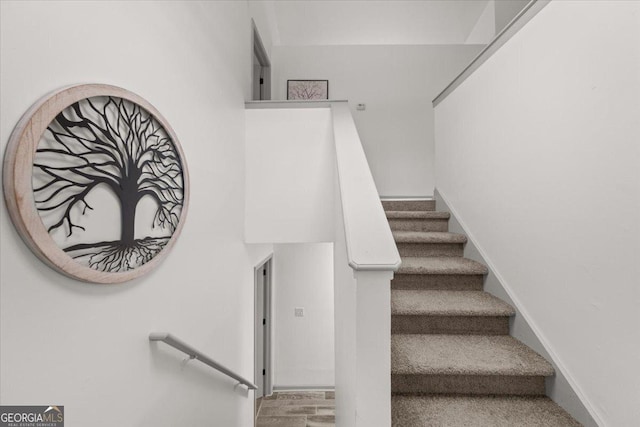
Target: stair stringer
[[561, 387]]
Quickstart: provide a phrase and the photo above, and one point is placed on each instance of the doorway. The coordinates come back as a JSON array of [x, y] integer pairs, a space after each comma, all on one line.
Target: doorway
[[261, 84], [262, 321]]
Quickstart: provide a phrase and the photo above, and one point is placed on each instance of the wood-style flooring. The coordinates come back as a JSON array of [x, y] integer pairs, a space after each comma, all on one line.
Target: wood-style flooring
[[296, 409]]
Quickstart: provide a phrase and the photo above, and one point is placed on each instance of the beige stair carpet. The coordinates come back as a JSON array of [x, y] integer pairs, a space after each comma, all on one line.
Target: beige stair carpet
[[453, 362], [478, 411], [448, 312]]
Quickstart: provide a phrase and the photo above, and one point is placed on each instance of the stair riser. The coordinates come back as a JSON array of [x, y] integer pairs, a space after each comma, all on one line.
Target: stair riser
[[450, 325], [469, 384], [430, 249], [446, 282], [409, 205], [419, 224]]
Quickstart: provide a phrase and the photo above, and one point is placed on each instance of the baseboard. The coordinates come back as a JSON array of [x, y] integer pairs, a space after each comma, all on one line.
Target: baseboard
[[303, 387], [562, 388]]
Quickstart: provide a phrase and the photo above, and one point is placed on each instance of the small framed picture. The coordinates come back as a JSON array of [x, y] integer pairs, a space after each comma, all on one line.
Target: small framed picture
[[307, 89]]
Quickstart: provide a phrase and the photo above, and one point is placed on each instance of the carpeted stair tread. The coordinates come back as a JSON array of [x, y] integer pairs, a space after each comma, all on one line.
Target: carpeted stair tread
[[441, 266], [417, 215], [478, 411], [465, 355], [428, 237], [418, 220], [447, 303], [409, 204]]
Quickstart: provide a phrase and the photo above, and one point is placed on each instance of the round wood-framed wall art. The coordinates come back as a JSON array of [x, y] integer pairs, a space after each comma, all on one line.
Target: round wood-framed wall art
[[96, 183]]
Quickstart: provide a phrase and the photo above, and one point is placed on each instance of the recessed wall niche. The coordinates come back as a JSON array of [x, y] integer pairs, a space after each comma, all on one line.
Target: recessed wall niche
[[96, 183]]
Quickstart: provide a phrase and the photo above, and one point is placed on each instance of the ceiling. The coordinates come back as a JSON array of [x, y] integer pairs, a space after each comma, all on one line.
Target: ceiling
[[373, 22]]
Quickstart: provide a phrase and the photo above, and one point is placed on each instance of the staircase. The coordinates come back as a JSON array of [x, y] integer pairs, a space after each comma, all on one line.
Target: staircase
[[453, 362]]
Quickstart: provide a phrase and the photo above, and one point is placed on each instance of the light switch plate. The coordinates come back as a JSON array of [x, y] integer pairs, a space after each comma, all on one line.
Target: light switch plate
[[299, 311]]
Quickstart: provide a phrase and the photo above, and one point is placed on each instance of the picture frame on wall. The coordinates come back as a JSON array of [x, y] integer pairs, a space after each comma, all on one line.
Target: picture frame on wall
[[307, 89]]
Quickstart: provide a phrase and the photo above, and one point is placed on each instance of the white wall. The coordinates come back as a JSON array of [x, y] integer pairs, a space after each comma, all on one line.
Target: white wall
[[356, 22], [397, 84], [85, 346], [506, 10], [263, 15], [485, 28], [290, 175], [304, 346], [538, 154]]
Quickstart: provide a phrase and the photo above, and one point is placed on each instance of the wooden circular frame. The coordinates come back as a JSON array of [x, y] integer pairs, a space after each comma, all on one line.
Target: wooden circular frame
[[18, 191]]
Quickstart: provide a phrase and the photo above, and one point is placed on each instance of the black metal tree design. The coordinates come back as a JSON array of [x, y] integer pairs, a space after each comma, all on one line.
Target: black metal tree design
[[112, 142]]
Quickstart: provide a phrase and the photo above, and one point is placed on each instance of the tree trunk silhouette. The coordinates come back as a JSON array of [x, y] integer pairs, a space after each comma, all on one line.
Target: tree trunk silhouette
[[129, 198], [128, 221]]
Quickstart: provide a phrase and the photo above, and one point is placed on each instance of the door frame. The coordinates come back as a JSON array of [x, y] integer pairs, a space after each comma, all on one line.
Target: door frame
[[267, 265], [263, 59]]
